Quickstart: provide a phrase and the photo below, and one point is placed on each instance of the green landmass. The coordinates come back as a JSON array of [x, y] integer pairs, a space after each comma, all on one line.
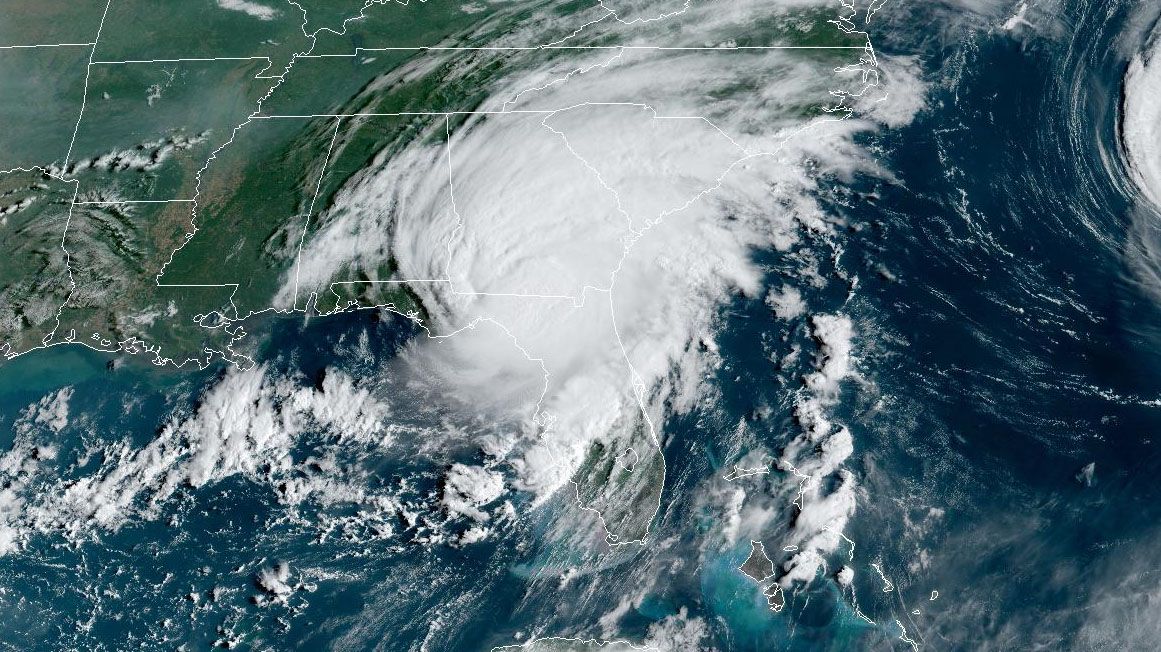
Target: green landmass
[[166, 121]]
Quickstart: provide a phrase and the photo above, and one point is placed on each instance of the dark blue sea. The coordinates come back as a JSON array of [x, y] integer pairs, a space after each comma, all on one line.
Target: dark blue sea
[[1009, 335]]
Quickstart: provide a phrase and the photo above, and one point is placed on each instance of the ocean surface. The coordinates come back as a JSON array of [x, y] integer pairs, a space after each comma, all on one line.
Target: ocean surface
[[999, 280]]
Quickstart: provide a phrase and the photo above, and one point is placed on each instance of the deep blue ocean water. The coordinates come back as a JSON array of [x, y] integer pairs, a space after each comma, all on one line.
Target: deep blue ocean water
[[1005, 343], [1026, 348]]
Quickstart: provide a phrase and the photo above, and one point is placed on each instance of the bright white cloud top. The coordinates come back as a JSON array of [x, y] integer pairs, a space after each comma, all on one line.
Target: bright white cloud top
[[1141, 124], [574, 238]]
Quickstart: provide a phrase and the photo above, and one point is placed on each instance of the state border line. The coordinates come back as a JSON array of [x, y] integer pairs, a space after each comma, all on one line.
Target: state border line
[[309, 215], [181, 59], [47, 45], [513, 48], [445, 114], [638, 384], [115, 202], [525, 48], [85, 98]]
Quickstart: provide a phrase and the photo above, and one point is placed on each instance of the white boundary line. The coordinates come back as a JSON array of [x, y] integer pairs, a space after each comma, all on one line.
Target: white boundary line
[[182, 60], [48, 45], [85, 91], [310, 211], [528, 48], [115, 202], [510, 48], [133, 344], [261, 74], [598, 643]]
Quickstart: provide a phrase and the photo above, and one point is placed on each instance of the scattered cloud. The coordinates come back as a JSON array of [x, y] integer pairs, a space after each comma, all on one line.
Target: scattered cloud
[[259, 11]]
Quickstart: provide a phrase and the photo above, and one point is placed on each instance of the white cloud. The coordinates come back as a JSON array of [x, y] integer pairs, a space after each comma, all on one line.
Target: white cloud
[[624, 217], [237, 428], [53, 410], [818, 526], [553, 217], [826, 492], [247, 424], [275, 580], [18, 468], [474, 534], [907, 97], [1141, 124], [845, 576], [468, 488], [261, 12], [1018, 18], [834, 334], [732, 501], [786, 302], [678, 633], [144, 157], [341, 407]]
